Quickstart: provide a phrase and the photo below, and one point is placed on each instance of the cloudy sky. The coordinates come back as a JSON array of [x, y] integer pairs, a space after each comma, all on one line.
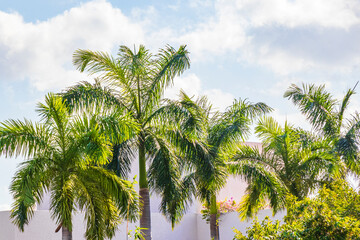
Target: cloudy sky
[[239, 48]]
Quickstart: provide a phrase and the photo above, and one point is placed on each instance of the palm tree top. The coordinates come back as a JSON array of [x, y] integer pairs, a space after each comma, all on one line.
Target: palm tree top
[[64, 154], [325, 113], [327, 116], [138, 76]]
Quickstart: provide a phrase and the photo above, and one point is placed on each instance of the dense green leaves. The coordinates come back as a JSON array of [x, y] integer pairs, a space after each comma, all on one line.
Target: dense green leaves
[[184, 148], [290, 160], [326, 115], [64, 153], [131, 86], [332, 215], [207, 138]]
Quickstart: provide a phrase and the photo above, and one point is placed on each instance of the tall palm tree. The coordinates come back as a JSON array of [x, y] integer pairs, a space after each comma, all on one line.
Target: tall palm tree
[[134, 82], [299, 160], [64, 155], [207, 138], [327, 117]]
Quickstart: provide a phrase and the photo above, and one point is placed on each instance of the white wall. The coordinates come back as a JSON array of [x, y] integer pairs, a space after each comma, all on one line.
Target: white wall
[[192, 227]]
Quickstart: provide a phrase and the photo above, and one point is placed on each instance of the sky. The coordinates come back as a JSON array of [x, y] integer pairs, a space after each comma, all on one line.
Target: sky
[[252, 49]]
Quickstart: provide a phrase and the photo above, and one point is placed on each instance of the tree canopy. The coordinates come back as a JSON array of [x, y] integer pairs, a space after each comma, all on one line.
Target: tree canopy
[[64, 155]]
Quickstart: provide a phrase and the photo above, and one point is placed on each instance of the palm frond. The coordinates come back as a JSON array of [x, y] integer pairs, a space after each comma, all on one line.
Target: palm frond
[[85, 95], [234, 124], [168, 64], [23, 138], [267, 129], [348, 145], [316, 104], [27, 188], [344, 104], [121, 191], [109, 69], [55, 114], [118, 126], [254, 154], [263, 185], [101, 213], [123, 155], [165, 179], [97, 62], [94, 145], [62, 200]]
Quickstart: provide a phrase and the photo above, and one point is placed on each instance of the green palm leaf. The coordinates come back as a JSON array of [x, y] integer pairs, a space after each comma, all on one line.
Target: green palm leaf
[[66, 152]]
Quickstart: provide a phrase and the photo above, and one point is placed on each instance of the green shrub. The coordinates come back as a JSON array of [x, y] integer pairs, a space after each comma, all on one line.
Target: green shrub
[[334, 214]]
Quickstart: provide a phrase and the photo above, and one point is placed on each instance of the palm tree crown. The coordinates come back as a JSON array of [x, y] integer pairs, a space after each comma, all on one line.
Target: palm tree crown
[[206, 139], [327, 116], [299, 160], [65, 153], [134, 82]]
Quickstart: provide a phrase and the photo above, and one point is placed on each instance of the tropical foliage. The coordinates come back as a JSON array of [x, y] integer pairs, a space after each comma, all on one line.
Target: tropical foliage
[[64, 156], [84, 146], [133, 84], [327, 116], [299, 160], [206, 139], [333, 214]]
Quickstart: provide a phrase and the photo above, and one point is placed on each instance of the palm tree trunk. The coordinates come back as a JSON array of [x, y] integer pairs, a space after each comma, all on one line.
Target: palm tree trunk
[[66, 234], [145, 219], [214, 225]]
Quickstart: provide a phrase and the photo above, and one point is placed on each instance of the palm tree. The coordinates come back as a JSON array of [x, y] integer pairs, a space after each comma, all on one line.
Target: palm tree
[[327, 117], [297, 158], [206, 139], [134, 82], [64, 155]]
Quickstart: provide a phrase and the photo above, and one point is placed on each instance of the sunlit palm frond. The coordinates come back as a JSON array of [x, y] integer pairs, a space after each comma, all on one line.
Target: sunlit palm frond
[[55, 114], [267, 129], [86, 95], [344, 105], [27, 188], [234, 124], [168, 64], [25, 138], [97, 62], [316, 104], [118, 127], [62, 199], [121, 191], [65, 154], [262, 185], [105, 199]]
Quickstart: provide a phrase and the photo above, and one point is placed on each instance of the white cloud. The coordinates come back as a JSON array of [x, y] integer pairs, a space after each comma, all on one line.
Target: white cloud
[[200, 3], [220, 100], [42, 51], [191, 85], [279, 61], [286, 36], [294, 118], [221, 34], [324, 13]]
